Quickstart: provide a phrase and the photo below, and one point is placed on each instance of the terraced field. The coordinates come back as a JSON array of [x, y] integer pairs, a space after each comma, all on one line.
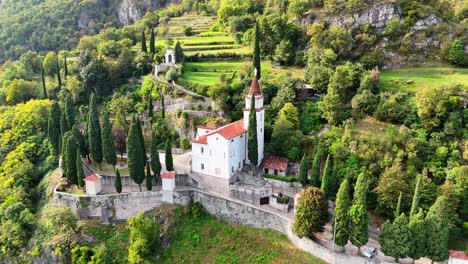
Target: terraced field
[[203, 40]]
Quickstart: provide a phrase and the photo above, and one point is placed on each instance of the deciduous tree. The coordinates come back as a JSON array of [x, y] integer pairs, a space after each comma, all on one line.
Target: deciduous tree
[[144, 235], [311, 213]]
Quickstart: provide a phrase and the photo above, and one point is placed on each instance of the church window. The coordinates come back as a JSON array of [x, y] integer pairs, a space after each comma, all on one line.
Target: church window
[[242, 136], [232, 140], [232, 169], [202, 166], [202, 150], [261, 129]]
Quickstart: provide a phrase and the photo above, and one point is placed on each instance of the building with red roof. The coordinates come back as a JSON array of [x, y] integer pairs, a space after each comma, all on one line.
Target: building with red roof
[[93, 184], [457, 257], [220, 152], [276, 165]]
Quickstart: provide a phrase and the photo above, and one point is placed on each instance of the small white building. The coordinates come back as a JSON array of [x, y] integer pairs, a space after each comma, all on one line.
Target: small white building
[[168, 180], [457, 257], [170, 56], [220, 152], [93, 184], [275, 165]]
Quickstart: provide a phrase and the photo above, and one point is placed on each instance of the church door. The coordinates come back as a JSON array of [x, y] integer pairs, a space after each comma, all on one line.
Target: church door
[[264, 200], [169, 57]]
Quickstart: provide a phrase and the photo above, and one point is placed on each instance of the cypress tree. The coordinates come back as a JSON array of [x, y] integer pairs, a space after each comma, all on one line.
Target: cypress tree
[[326, 178], [143, 42], [417, 227], [79, 169], [416, 197], [315, 172], [136, 165], [69, 111], [141, 140], [398, 208], [169, 163], [179, 53], [149, 179], [395, 238], [70, 160], [252, 141], [63, 123], [63, 153], [163, 109], [155, 162], [53, 127], [150, 108], [44, 87], [358, 212], [86, 145], [108, 147], [79, 138], [437, 224], [256, 52], [303, 171], [118, 181], [343, 202], [65, 67], [59, 79], [152, 42], [94, 131]]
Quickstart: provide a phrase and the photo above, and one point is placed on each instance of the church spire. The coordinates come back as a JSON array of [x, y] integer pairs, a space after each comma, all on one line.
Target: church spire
[[255, 87]]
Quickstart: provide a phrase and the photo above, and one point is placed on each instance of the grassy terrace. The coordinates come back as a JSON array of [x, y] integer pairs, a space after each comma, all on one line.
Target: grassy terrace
[[205, 239], [208, 72], [413, 79]]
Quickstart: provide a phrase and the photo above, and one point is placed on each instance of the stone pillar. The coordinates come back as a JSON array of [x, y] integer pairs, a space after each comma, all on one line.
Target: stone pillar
[[168, 186]]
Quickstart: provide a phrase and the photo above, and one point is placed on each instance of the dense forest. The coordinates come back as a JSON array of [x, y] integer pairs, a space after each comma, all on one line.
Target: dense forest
[[72, 67]]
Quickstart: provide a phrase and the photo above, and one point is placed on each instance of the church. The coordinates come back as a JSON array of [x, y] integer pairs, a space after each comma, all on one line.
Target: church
[[222, 151]]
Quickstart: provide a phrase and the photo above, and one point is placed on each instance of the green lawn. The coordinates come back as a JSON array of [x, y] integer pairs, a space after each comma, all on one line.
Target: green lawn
[[370, 129], [208, 72], [413, 79], [204, 239]]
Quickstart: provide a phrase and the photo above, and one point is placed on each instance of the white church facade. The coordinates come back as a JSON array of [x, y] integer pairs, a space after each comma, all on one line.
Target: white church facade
[[222, 151]]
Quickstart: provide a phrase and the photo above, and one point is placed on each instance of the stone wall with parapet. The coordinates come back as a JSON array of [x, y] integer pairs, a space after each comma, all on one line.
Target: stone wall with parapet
[[240, 213], [288, 188]]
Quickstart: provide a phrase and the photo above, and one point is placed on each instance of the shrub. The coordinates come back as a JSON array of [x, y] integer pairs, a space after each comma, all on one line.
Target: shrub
[[188, 31], [281, 178], [185, 143], [456, 54]]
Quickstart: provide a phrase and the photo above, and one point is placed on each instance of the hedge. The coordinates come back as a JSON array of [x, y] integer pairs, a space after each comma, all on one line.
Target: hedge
[[281, 178]]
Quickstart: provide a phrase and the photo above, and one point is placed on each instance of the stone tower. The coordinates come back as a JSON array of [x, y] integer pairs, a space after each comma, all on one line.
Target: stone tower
[[255, 93]]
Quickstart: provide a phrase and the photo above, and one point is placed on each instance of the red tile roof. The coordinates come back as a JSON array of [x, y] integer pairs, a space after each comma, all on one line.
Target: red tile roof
[[276, 163], [207, 127], [255, 87], [92, 177], [228, 131], [458, 254], [168, 174]]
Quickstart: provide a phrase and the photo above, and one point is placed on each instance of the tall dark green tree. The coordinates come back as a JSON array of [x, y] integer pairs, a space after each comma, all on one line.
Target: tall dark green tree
[[152, 42], [327, 181], [94, 131], [341, 216], [169, 162], [59, 79], [149, 178], [155, 162], [150, 108], [65, 67], [252, 141], [44, 87], [304, 171], [256, 52], [395, 238], [416, 197], [417, 227], [163, 110], [79, 169], [69, 111], [315, 171], [179, 53], [358, 212], [53, 127], [118, 181], [79, 138], [437, 224], [71, 149], [143, 42], [63, 123], [108, 147], [142, 141], [136, 165], [398, 208]]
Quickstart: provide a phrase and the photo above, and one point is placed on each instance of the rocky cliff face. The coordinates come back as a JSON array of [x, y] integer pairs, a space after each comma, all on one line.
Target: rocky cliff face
[[130, 11]]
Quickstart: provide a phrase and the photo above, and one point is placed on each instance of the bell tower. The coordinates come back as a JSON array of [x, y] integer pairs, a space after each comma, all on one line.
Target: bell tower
[[255, 94]]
